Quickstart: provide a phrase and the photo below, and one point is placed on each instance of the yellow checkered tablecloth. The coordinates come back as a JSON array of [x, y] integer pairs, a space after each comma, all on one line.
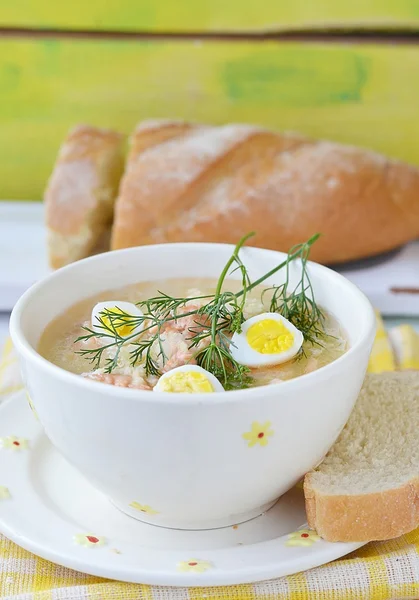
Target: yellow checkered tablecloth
[[378, 571]]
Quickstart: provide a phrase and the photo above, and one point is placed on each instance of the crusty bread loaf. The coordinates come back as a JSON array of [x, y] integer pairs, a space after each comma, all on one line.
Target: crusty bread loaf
[[367, 488], [81, 192], [189, 182]]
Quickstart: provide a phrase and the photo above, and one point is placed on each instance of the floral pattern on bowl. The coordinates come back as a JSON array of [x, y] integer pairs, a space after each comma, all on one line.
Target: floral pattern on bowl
[[144, 508], [258, 434]]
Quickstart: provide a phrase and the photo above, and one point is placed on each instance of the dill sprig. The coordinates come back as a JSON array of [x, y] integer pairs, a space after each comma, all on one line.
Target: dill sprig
[[225, 314], [217, 319], [165, 305], [298, 305], [108, 323]]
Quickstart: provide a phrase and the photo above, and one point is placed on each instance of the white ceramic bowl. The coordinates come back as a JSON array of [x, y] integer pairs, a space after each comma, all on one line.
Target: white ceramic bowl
[[183, 459]]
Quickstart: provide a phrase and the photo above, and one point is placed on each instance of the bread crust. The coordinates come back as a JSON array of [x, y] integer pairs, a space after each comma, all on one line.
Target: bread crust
[[151, 133], [81, 192], [367, 487], [365, 517], [205, 183]]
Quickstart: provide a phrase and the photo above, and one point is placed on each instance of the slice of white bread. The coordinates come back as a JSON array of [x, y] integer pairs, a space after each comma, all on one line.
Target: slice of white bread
[[367, 488], [81, 192]]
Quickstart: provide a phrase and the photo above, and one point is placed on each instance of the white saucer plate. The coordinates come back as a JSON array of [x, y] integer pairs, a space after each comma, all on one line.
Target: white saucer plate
[[48, 508]]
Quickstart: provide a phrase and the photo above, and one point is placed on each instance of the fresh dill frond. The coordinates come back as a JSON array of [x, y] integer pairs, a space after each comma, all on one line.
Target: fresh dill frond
[[216, 358], [142, 353], [165, 305], [298, 305], [217, 318], [110, 320], [226, 316]]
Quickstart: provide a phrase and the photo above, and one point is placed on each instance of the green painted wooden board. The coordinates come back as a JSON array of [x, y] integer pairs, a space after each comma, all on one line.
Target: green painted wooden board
[[365, 95], [205, 15]]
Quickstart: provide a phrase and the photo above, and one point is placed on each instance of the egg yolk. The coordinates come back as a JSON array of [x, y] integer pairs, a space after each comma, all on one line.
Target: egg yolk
[[269, 337], [120, 325], [187, 382]]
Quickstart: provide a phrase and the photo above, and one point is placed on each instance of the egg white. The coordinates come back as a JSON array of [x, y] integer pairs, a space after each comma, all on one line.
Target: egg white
[[127, 307], [244, 354], [216, 385]]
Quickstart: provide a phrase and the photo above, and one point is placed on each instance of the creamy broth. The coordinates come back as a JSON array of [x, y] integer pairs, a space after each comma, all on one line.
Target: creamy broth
[[57, 342]]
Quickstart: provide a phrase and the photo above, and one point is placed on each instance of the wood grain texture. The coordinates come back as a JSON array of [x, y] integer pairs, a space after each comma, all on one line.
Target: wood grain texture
[[201, 15], [365, 95]]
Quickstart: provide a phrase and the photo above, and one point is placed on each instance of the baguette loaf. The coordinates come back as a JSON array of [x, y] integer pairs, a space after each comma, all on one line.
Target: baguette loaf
[[367, 488], [189, 182], [81, 192]]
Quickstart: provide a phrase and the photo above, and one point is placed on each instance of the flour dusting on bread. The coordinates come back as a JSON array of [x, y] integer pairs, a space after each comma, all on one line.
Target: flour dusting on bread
[[215, 183], [187, 181], [81, 192]]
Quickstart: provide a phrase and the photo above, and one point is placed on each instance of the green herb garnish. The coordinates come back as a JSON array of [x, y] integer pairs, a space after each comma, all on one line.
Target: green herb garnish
[[298, 305], [216, 320]]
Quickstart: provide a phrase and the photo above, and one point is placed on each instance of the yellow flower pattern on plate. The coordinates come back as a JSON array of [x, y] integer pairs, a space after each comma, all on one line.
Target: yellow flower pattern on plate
[[303, 537], [193, 565], [143, 508], [14, 443], [4, 493], [258, 434], [89, 540]]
